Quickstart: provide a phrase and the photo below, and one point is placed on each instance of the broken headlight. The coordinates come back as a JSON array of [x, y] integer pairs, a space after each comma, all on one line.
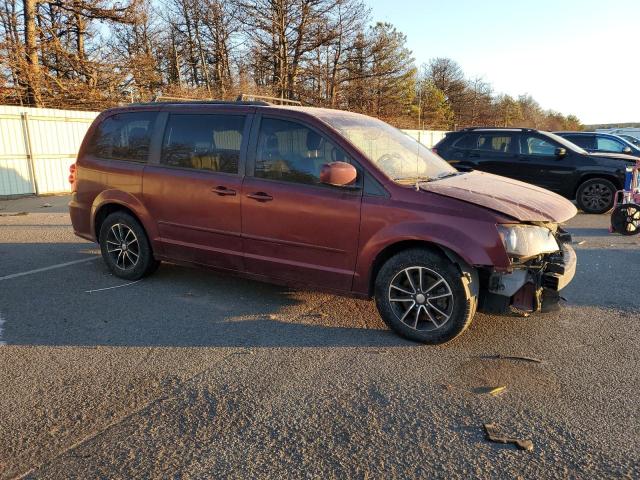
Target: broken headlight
[[525, 241]]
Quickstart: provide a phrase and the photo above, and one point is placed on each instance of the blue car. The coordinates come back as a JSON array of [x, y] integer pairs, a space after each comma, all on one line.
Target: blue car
[[601, 142]]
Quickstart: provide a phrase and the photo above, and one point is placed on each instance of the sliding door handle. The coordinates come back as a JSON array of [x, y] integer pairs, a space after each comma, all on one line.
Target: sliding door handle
[[260, 196], [222, 190]]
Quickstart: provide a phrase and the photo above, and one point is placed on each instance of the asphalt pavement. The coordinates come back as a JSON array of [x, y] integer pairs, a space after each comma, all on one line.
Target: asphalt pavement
[[193, 374]]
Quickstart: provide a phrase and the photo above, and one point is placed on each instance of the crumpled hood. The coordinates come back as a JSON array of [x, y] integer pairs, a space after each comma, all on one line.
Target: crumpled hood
[[523, 201], [615, 156]]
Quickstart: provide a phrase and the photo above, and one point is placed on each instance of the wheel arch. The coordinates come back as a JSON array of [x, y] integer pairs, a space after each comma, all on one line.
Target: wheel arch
[[591, 176], [112, 201], [107, 209], [466, 270]]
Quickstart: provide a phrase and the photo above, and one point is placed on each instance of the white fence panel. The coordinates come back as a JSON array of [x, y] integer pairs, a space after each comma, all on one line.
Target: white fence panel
[[15, 176], [52, 138], [427, 137]]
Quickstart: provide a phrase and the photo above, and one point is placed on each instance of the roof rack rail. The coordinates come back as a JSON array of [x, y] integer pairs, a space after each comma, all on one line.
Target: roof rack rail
[[243, 97], [211, 101], [521, 129]]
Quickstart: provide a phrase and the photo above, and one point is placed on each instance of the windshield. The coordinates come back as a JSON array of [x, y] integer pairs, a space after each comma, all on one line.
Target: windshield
[[399, 156], [566, 143]]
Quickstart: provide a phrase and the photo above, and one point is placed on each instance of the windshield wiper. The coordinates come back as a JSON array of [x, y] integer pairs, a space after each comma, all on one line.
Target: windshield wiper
[[439, 177], [446, 175], [411, 180]]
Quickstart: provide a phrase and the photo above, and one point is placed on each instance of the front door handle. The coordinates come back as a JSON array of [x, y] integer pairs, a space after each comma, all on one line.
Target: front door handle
[[260, 196], [222, 190]]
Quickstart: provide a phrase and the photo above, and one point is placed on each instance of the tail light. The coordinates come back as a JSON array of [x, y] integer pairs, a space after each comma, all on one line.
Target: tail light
[[73, 177], [434, 150]]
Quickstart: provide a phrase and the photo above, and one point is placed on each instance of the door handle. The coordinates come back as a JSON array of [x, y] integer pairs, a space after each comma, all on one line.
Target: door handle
[[260, 196], [222, 190]]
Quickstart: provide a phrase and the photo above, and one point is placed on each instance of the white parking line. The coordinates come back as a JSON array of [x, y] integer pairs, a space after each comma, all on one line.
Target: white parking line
[[44, 269]]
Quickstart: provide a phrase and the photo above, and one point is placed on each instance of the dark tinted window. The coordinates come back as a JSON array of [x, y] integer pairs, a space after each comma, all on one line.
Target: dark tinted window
[[494, 142], [584, 141], [468, 141], [124, 136], [292, 152], [203, 142], [534, 145]]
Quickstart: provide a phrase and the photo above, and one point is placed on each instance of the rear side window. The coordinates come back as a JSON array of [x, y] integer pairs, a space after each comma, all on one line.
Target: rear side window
[[584, 141], [494, 142], [203, 142], [124, 136]]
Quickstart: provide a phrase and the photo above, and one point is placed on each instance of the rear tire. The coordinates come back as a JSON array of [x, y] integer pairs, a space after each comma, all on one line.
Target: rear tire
[[125, 247], [421, 296], [596, 195]]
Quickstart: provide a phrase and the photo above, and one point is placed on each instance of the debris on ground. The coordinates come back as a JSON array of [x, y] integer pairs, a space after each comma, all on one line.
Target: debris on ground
[[493, 391], [495, 435], [46, 205], [581, 242], [514, 357], [497, 390], [16, 214]]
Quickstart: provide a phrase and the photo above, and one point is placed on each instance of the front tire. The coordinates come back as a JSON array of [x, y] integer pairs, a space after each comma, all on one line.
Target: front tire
[[596, 195], [125, 247], [421, 296]]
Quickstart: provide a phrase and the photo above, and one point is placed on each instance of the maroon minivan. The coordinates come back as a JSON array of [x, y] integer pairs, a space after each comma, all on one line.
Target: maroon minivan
[[318, 198]]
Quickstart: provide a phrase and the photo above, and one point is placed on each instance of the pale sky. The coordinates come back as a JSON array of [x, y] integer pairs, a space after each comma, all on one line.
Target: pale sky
[[573, 56]]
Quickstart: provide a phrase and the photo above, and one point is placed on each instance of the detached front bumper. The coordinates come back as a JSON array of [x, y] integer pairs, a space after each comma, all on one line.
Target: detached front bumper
[[532, 288]]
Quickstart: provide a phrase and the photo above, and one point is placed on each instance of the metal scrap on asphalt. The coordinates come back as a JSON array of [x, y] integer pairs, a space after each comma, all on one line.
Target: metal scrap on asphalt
[[495, 435]]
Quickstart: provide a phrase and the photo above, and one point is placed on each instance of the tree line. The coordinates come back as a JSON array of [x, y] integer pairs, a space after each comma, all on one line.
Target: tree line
[[82, 54]]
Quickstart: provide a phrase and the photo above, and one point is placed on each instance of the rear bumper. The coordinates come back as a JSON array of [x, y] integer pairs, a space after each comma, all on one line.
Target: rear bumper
[[531, 289], [81, 219]]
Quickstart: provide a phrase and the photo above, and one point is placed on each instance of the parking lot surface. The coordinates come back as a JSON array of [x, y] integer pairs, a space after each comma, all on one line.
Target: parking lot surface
[[193, 374]]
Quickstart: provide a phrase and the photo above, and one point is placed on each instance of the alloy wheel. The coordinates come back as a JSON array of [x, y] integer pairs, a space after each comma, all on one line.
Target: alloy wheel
[[421, 298], [597, 196], [123, 246]]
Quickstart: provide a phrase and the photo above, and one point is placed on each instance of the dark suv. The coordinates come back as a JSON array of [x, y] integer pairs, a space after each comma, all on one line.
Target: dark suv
[[318, 198], [540, 158], [601, 142]]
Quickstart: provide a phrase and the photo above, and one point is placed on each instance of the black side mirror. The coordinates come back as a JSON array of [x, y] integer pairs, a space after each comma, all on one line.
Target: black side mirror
[[626, 150], [561, 152]]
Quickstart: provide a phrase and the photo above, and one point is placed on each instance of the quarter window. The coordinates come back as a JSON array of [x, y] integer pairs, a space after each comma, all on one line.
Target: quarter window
[[203, 142], [468, 141], [292, 152], [124, 136]]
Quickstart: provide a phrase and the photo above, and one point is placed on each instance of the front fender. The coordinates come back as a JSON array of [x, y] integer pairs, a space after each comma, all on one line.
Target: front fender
[[475, 242]]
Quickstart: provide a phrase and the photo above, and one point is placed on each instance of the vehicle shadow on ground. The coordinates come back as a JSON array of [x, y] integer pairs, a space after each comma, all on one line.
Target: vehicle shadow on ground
[[181, 307], [187, 307]]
